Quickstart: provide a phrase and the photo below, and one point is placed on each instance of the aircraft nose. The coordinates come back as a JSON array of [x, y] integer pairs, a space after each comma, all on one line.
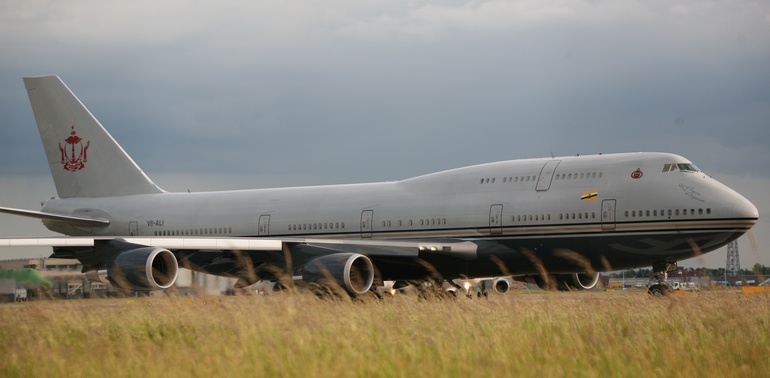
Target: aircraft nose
[[743, 208]]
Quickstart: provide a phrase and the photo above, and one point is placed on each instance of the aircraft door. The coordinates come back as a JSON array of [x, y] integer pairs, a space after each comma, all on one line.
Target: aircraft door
[[608, 214], [263, 228], [366, 223], [133, 228], [496, 219], [546, 175]]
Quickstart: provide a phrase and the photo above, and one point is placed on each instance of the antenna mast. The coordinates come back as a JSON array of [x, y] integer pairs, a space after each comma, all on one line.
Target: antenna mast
[[733, 265]]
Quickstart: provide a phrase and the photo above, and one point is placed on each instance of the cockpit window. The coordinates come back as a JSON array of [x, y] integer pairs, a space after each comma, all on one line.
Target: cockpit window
[[680, 167], [688, 167]]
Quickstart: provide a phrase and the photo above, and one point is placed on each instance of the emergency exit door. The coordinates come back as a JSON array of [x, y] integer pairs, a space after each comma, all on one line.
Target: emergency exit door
[[608, 214], [496, 219], [366, 223], [263, 229]]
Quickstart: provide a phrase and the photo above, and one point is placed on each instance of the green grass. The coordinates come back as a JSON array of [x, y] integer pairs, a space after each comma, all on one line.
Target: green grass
[[545, 334]]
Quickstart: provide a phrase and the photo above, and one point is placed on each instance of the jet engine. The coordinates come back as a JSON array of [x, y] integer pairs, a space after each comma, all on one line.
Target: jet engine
[[352, 271], [141, 269], [564, 282], [576, 281], [501, 285]]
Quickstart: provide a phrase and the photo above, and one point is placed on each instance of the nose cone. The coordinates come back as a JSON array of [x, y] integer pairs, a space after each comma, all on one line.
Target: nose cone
[[744, 209]]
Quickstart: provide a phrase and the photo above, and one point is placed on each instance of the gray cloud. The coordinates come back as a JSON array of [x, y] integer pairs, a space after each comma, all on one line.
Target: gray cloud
[[301, 93]]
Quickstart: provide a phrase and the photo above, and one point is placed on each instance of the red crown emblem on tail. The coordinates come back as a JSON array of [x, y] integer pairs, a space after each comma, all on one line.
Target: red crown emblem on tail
[[70, 160]]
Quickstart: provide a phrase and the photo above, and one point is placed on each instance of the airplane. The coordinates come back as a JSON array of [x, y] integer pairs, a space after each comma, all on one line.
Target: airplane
[[555, 221]]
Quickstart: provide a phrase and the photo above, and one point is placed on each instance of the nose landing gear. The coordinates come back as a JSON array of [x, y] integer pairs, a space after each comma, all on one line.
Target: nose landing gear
[[660, 285]]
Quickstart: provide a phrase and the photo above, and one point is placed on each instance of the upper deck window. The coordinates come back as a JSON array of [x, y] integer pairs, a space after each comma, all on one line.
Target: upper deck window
[[680, 167]]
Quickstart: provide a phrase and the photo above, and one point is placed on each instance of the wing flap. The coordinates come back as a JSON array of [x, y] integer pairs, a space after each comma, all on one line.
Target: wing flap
[[384, 248], [400, 248]]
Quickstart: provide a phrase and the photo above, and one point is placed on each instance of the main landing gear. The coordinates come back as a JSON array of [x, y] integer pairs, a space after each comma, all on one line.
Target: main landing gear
[[660, 286]]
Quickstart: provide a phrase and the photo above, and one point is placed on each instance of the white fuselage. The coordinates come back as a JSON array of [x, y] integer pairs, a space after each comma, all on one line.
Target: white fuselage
[[620, 206]]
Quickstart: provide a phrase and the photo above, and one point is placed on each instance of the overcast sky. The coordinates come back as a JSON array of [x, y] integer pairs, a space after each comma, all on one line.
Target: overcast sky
[[206, 95]]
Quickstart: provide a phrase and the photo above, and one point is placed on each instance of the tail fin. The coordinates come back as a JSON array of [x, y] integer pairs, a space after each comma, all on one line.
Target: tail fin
[[84, 159]]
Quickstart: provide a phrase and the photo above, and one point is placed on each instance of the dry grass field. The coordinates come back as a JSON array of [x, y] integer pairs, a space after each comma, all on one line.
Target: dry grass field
[[593, 334]]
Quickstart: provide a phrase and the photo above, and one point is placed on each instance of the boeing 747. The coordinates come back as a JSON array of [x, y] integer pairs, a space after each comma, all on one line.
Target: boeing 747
[[553, 221]]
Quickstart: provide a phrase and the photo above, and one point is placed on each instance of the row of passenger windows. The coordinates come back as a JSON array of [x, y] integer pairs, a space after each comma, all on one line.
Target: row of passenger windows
[[441, 221], [385, 223], [577, 176], [558, 176], [196, 231], [317, 226], [664, 213], [514, 218], [508, 179], [421, 222], [547, 217], [628, 213]]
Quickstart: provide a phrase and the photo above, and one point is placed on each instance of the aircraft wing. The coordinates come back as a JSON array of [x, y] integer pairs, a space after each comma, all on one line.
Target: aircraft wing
[[247, 259], [386, 248]]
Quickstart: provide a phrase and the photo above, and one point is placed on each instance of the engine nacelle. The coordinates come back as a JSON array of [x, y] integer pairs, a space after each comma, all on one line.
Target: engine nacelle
[[501, 285], [142, 269], [576, 281], [352, 271], [563, 282]]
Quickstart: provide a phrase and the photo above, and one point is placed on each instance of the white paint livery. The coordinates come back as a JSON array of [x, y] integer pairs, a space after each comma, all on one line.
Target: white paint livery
[[563, 216]]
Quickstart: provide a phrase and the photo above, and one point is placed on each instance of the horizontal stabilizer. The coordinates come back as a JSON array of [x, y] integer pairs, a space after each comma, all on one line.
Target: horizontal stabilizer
[[221, 244], [78, 221]]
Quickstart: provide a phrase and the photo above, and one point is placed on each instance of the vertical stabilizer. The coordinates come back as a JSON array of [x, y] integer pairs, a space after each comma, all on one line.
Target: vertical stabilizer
[[84, 159]]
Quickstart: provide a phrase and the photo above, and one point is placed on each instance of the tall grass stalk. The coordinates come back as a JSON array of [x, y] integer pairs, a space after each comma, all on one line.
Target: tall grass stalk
[[548, 334]]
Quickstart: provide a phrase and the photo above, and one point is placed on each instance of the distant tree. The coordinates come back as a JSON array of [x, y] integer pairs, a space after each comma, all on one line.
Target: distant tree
[[717, 274]]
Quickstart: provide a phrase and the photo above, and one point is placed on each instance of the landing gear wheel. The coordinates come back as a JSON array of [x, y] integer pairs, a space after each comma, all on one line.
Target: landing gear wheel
[[658, 290]]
